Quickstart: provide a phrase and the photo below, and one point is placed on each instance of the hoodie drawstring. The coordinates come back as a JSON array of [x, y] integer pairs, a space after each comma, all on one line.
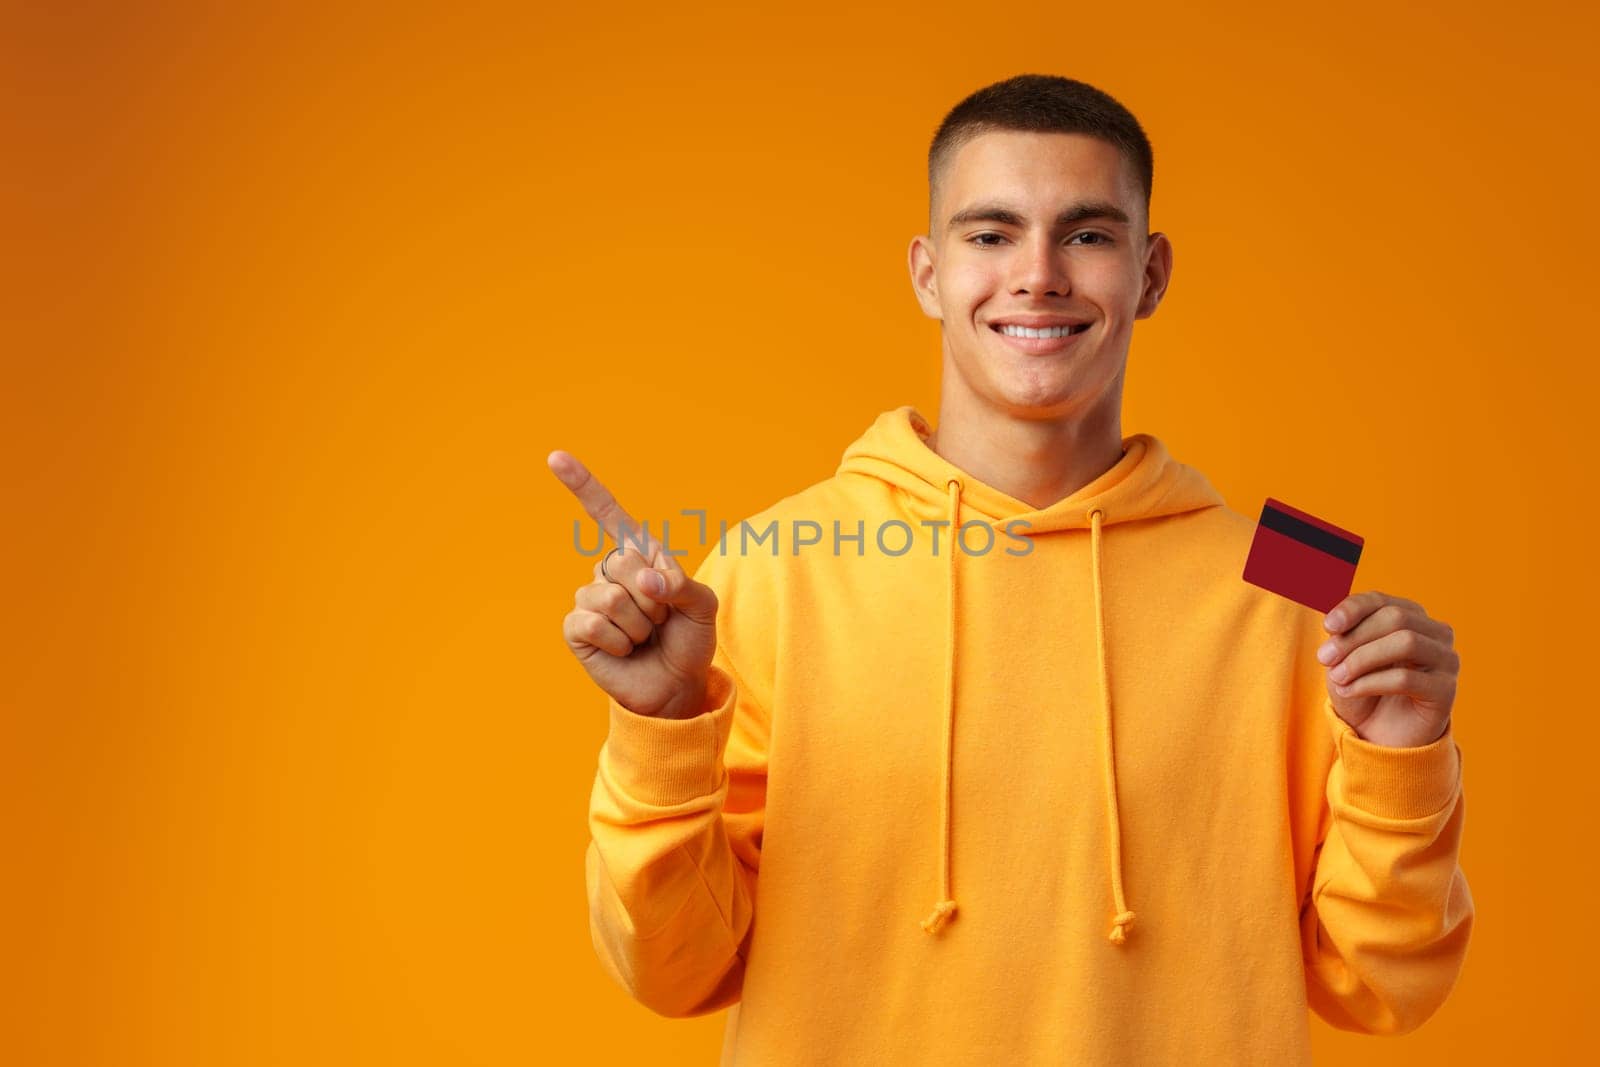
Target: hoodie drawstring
[[945, 909], [1124, 918], [947, 906]]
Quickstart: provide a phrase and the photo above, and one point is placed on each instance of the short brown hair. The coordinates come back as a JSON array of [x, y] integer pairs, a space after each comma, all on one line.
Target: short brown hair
[[1041, 103]]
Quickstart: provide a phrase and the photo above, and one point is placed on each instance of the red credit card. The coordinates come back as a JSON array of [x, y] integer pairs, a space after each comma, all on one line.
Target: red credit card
[[1300, 556]]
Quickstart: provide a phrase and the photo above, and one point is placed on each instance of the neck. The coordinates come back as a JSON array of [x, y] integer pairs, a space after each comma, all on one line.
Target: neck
[[1037, 461]]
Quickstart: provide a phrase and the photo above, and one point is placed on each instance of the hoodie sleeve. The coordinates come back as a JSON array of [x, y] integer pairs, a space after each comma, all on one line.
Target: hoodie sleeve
[[1385, 910], [675, 822]]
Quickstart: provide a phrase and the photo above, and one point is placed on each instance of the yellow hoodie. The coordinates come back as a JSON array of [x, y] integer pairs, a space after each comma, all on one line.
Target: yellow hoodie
[[1071, 792]]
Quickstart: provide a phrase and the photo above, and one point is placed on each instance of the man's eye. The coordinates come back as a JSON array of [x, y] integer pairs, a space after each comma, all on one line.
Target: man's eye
[[1099, 238], [978, 239]]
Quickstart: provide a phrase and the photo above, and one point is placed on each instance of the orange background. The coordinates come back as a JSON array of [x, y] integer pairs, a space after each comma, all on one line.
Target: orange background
[[296, 761]]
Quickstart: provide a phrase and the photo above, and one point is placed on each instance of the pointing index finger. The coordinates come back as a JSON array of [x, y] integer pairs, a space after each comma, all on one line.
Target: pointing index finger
[[597, 500]]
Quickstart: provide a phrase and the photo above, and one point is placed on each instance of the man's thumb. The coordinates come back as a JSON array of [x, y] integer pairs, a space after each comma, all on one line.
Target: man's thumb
[[694, 599]]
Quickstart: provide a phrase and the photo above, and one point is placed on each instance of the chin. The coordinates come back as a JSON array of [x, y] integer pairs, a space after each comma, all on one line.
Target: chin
[[1041, 387], [1026, 387], [1038, 403]]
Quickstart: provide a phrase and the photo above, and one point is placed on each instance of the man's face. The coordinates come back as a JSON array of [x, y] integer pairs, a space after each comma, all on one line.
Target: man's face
[[1039, 229]]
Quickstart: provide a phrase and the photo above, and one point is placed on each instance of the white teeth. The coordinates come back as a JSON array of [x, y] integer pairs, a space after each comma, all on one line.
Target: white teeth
[[1026, 331]]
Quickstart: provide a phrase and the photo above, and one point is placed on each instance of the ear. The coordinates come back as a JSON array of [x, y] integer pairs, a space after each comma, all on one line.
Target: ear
[[924, 281], [1157, 274]]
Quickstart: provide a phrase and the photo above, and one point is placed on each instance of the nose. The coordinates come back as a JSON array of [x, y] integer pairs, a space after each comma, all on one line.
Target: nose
[[1040, 268]]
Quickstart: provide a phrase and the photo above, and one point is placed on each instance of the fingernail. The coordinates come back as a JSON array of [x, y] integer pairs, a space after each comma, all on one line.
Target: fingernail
[[653, 582], [1325, 653], [1334, 622]]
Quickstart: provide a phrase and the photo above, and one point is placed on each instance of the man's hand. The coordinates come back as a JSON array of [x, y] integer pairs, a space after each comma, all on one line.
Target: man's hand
[[1391, 669], [647, 635]]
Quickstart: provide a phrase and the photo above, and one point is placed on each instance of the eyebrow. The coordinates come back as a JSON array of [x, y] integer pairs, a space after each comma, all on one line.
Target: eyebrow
[[1001, 213]]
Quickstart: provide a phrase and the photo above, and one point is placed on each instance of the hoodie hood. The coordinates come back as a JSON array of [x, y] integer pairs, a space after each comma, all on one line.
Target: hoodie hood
[[1146, 483]]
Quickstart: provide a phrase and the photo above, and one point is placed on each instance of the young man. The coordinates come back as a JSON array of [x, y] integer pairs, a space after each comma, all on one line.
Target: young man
[[985, 752]]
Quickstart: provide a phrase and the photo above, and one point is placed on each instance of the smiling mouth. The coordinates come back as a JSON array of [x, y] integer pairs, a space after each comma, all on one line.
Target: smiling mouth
[[1049, 341], [1026, 331]]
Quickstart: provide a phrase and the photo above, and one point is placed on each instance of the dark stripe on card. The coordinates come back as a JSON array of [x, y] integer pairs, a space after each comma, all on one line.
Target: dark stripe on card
[[1307, 534]]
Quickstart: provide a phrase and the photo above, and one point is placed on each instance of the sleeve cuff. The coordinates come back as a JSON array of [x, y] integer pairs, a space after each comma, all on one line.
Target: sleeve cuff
[[663, 762], [1398, 783]]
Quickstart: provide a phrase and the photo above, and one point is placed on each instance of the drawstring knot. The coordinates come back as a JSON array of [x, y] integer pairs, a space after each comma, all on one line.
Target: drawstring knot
[[941, 915]]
